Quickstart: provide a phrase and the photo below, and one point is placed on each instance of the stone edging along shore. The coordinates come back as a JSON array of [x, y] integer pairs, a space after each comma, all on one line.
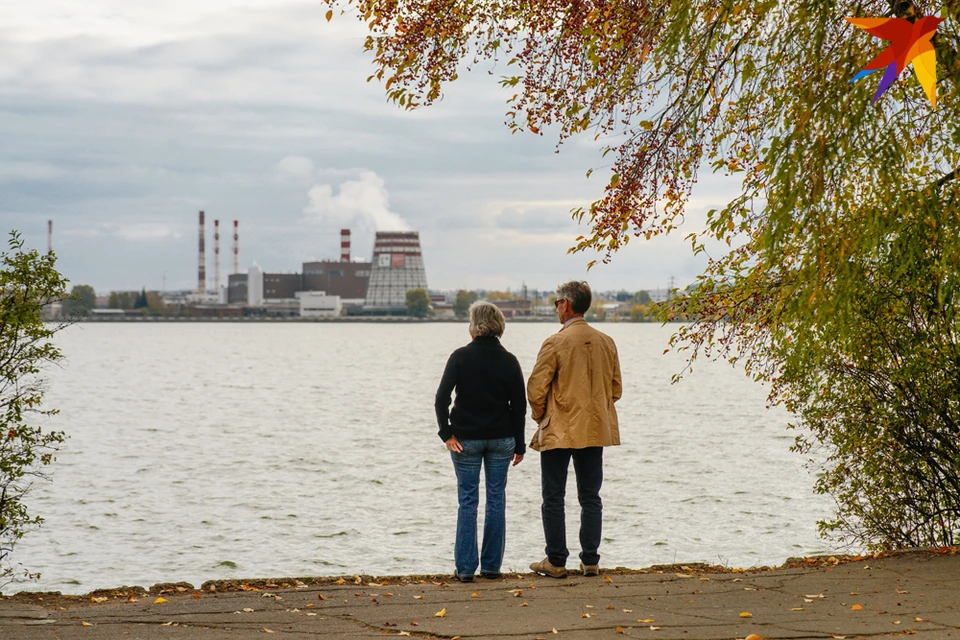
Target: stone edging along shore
[[174, 589]]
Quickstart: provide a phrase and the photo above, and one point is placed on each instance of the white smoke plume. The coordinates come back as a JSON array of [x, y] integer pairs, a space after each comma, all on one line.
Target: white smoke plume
[[362, 203]]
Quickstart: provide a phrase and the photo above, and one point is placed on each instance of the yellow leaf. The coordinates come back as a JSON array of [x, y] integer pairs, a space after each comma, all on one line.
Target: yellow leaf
[[753, 636], [160, 601], [645, 620], [746, 614], [441, 613], [856, 607], [555, 631], [608, 578], [86, 624], [620, 630], [329, 15], [525, 604], [340, 581], [654, 628], [248, 610], [475, 595], [797, 609], [267, 630], [418, 597]]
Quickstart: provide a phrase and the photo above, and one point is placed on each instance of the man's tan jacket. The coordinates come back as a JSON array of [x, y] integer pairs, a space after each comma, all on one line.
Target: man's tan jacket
[[572, 390]]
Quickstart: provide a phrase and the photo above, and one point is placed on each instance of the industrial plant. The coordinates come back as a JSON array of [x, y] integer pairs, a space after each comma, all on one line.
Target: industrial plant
[[321, 288]]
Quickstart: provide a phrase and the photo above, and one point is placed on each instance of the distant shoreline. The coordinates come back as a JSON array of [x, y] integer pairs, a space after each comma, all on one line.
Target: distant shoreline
[[339, 319]]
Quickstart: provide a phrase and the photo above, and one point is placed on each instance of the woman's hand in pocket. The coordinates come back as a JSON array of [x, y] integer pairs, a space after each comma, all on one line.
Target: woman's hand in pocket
[[454, 445]]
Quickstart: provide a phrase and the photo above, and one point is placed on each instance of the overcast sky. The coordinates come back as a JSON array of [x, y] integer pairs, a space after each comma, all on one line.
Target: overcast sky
[[121, 119]]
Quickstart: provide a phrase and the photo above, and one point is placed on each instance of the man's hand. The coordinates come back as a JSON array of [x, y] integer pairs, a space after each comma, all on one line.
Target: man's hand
[[517, 458], [454, 445]]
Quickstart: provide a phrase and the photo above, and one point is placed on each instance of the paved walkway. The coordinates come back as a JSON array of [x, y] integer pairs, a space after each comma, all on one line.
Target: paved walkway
[[915, 593]]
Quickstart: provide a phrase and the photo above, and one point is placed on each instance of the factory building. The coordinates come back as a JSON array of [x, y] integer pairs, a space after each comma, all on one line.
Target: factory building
[[325, 287]]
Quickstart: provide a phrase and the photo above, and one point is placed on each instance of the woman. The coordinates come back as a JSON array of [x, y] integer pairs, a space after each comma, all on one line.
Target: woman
[[485, 428]]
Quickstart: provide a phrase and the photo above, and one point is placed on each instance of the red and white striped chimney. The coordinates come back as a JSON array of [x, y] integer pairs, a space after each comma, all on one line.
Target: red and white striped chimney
[[202, 271], [216, 256], [236, 248], [344, 245]]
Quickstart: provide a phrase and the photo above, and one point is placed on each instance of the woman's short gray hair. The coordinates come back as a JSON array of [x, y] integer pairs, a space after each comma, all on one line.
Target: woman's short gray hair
[[486, 319]]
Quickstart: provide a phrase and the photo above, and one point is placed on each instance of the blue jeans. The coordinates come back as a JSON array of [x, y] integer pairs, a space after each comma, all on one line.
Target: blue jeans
[[495, 456]]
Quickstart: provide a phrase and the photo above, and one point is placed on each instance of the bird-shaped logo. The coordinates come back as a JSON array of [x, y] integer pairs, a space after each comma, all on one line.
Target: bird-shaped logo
[[909, 42]]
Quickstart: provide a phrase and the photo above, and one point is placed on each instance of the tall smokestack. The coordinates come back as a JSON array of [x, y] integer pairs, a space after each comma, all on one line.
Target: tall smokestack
[[344, 245], [216, 256], [236, 248], [202, 271], [49, 235]]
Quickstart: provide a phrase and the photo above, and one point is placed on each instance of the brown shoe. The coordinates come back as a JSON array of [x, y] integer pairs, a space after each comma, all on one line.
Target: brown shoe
[[546, 569], [590, 569]]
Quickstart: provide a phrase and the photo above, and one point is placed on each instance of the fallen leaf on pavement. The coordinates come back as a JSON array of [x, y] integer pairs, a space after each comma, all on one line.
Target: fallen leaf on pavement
[[159, 601], [418, 597], [610, 608], [130, 598], [86, 624], [608, 578], [340, 581], [196, 596], [320, 596], [248, 610], [98, 600], [441, 613], [404, 633], [524, 604], [901, 591], [918, 619], [265, 630], [475, 595], [746, 614], [357, 580], [555, 630], [753, 636], [645, 620], [620, 630], [797, 609], [414, 623], [628, 610], [654, 628], [856, 607]]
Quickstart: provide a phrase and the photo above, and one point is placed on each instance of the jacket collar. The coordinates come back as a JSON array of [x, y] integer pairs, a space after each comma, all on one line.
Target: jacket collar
[[572, 321]]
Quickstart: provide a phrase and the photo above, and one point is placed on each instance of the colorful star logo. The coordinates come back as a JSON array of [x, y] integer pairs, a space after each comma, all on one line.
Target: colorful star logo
[[909, 42]]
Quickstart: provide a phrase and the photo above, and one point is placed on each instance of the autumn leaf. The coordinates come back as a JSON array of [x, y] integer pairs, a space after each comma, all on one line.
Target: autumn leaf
[[856, 607], [441, 613], [475, 595], [85, 624], [160, 600], [746, 614], [753, 636], [248, 610], [267, 630], [418, 597], [608, 578], [340, 581], [329, 15], [620, 630], [320, 596]]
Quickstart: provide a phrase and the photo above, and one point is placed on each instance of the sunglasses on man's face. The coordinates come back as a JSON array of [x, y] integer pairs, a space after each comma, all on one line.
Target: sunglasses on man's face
[[556, 303]]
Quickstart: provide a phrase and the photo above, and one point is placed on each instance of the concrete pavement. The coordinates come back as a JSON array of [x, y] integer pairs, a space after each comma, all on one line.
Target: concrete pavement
[[908, 593]]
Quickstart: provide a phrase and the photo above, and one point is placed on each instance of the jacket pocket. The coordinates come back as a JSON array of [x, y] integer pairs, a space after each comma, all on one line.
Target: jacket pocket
[[537, 439]]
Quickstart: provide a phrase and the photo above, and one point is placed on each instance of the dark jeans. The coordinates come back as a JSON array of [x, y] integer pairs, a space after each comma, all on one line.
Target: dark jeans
[[588, 466]]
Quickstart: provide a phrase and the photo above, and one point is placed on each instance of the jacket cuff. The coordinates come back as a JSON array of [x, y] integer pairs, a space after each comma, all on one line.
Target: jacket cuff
[[445, 433], [520, 448]]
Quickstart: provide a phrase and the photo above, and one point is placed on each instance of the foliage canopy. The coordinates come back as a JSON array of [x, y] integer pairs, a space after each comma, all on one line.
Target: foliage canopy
[[28, 281], [839, 286]]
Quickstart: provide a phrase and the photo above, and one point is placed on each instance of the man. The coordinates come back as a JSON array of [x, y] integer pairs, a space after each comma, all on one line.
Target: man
[[571, 392]]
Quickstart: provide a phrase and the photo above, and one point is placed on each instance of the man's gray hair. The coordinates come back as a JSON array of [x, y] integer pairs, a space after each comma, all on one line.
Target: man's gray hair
[[578, 293], [486, 319]]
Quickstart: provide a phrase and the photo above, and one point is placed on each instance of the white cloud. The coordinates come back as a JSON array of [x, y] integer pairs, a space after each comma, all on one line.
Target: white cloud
[[28, 171], [362, 203], [295, 169]]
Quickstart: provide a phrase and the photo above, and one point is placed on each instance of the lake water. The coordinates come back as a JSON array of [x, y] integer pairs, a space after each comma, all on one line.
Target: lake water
[[207, 451]]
